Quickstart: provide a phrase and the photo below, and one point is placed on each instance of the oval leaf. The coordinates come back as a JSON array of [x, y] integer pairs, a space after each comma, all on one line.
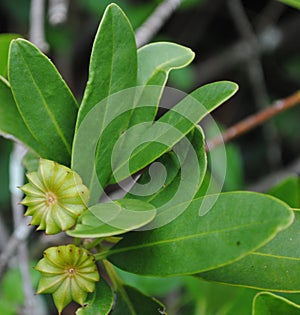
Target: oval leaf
[[44, 101], [274, 267], [113, 218], [236, 224], [156, 60], [113, 64], [113, 68]]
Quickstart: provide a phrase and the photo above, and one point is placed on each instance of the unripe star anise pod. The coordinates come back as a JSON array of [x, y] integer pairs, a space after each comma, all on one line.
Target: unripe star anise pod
[[69, 273], [55, 197]]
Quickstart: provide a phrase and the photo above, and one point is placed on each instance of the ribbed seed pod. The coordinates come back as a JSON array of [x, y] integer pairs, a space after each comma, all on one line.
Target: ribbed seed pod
[[68, 273], [55, 197]]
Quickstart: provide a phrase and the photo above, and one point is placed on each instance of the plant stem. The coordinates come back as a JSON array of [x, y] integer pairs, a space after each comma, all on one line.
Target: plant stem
[[254, 120], [93, 243], [101, 255]]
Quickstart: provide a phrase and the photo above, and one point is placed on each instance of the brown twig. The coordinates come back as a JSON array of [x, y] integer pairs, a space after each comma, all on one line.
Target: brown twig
[[254, 120]]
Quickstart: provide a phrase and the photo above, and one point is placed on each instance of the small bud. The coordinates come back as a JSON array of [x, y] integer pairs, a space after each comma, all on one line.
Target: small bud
[[55, 197], [69, 273]]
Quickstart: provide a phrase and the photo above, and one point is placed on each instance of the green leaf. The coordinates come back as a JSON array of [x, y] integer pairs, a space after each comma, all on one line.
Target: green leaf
[[5, 40], [11, 122], [236, 224], [156, 60], [113, 68], [99, 302], [113, 64], [288, 191], [292, 3], [164, 185], [113, 218], [274, 267], [153, 140], [44, 101], [132, 302], [271, 304]]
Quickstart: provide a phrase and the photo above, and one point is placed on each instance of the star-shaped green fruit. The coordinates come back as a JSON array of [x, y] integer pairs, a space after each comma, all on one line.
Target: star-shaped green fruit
[[55, 197], [69, 273]]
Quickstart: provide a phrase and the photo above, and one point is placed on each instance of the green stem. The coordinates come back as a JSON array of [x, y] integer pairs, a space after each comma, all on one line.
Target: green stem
[[93, 243], [102, 255]]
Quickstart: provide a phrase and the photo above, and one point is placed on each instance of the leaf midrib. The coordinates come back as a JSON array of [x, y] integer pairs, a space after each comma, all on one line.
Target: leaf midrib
[[52, 117], [187, 237], [274, 256], [94, 173]]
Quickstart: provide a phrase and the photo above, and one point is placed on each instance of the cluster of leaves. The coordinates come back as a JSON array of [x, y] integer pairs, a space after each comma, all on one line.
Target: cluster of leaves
[[244, 238]]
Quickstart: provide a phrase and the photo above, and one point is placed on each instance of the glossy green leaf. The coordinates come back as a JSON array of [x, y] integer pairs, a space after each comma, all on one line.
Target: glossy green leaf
[[5, 40], [11, 123], [288, 191], [113, 64], [292, 3], [113, 68], [153, 140], [165, 183], [132, 302], [271, 304], [113, 218], [236, 224], [156, 60], [274, 267], [44, 101], [99, 302]]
